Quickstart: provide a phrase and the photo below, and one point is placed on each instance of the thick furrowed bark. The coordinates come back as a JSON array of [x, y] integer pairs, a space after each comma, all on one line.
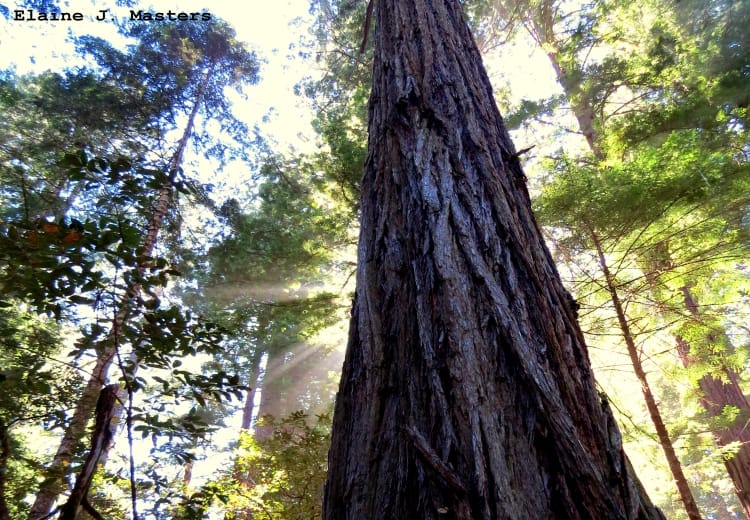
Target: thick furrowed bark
[[717, 395], [467, 390]]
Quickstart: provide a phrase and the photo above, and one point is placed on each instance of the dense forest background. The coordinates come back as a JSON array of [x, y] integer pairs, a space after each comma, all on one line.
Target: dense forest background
[[157, 243]]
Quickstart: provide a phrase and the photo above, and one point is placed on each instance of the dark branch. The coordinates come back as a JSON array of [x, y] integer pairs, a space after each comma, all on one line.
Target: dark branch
[[440, 467], [366, 30]]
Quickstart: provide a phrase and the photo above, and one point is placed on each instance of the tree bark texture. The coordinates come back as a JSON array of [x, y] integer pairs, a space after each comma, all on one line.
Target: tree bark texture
[[466, 391]]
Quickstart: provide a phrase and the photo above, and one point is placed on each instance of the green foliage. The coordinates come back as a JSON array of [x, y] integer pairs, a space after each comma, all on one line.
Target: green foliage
[[32, 386], [20, 471], [34, 389], [57, 264], [618, 197], [86, 279], [72, 234], [172, 66], [693, 75], [106, 496], [660, 198], [292, 232], [277, 477], [285, 473], [340, 98], [44, 116], [530, 109]]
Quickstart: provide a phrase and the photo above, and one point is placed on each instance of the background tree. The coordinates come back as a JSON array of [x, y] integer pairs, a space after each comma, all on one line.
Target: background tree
[[271, 273], [187, 79], [664, 79], [287, 469], [32, 390]]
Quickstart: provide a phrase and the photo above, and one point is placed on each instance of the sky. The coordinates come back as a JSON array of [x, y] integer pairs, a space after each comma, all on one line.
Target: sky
[[269, 28], [273, 30]]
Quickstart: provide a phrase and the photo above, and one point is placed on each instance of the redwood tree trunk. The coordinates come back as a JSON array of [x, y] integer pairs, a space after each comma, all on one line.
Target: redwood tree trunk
[[717, 395], [272, 392], [252, 384], [55, 483], [466, 391]]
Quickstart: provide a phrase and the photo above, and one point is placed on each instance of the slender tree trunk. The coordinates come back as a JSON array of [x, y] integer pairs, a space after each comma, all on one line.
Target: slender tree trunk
[[662, 434], [187, 476], [466, 391], [254, 379], [717, 395], [252, 383], [273, 391], [100, 440], [54, 484], [187, 468], [540, 24], [580, 104], [586, 117]]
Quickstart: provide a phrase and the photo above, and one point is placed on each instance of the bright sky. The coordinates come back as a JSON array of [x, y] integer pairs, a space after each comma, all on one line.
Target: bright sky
[[267, 27]]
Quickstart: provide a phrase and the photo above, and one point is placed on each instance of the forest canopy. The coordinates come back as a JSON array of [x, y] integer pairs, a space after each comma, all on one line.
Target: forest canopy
[[189, 204]]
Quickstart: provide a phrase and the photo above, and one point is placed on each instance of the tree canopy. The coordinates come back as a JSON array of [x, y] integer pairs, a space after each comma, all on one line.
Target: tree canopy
[[157, 237]]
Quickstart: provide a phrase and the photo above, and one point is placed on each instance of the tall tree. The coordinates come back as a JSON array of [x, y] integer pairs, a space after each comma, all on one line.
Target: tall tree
[[173, 69], [639, 214], [466, 390], [705, 51], [266, 276]]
